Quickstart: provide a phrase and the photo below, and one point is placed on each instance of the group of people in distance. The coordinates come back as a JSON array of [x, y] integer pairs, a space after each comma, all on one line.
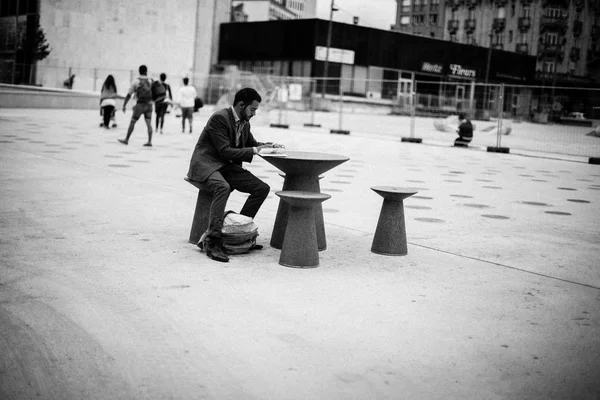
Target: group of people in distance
[[148, 93]]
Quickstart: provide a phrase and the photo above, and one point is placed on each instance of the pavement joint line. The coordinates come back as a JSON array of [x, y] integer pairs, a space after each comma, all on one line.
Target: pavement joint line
[[478, 259], [506, 266]]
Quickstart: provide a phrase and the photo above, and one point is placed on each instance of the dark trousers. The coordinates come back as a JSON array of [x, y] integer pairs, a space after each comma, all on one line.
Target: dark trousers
[[463, 139], [107, 112], [221, 183]]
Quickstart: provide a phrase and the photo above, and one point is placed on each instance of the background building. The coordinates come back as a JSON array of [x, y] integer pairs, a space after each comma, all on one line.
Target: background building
[[266, 10], [562, 34], [94, 38]]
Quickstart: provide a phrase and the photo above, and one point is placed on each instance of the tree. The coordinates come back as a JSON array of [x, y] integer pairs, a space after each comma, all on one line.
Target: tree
[[41, 46], [35, 45]]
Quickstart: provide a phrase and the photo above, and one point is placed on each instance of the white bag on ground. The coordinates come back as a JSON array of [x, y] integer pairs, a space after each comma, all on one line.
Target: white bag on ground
[[239, 233]]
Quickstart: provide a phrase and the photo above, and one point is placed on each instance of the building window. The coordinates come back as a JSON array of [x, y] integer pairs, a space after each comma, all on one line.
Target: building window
[[406, 6], [405, 20], [549, 66], [453, 37], [510, 36], [513, 10], [553, 12], [433, 19], [526, 12], [551, 38]]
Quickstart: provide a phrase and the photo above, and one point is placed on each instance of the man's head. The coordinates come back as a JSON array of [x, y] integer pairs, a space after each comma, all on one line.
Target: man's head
[[143, 70], [246, 102], [163, 77], [186, 81], [461, 116]]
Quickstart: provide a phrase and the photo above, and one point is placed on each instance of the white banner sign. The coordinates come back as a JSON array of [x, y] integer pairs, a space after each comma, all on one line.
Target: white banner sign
[[335, 55], [295, 92]]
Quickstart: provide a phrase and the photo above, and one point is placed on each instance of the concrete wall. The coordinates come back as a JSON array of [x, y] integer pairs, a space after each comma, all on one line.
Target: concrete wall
[[18, 96], [117, 36]]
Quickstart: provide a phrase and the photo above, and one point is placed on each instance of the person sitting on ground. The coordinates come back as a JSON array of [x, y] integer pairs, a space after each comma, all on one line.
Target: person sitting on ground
[[108, 96], [465, 130], [223, 145]]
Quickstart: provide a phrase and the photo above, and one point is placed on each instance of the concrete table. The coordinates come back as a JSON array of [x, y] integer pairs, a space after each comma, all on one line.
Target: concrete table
[[390, 235], [302, 170]]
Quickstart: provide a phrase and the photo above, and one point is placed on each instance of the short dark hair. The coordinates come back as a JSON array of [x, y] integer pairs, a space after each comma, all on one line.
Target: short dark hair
[[185, 81], [163, 76], [143, 70], [462, 116], [246, 95]]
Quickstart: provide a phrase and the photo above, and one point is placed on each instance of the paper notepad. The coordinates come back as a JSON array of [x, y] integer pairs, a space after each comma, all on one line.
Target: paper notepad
[[272, 152]]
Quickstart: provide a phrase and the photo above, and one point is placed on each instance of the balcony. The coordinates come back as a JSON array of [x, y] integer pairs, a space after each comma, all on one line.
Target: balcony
[[577, 28], [559, 3], [557, 24], [453, 25], [454, 4], [470, 25], [499, 25], [472, 3], [579, 4], [522, 48], [524, 24], [551, 51], [575, 54], [500, 3]]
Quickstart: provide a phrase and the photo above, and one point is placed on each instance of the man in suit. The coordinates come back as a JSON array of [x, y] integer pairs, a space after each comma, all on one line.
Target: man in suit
[[223, 145]]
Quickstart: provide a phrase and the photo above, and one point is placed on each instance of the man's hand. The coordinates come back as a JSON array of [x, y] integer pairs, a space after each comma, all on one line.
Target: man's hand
[[272, 145]]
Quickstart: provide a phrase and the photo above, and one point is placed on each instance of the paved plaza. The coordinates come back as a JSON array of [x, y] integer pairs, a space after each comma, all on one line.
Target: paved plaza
[[102, 297]]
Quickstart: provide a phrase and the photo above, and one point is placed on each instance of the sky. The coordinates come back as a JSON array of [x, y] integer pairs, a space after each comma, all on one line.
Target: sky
[[379, 14]]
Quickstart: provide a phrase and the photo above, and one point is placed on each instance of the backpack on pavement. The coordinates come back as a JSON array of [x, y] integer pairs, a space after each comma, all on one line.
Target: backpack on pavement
[[239, 233], [159, 91], [144, 90]]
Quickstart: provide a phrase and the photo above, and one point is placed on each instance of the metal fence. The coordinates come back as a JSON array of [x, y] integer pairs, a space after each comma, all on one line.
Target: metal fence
[[530, 118]]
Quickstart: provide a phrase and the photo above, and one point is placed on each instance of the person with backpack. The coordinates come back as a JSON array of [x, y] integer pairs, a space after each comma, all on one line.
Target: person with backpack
[[160, 91], [142, 89]]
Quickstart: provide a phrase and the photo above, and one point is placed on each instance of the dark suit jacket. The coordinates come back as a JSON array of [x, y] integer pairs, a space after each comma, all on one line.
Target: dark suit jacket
[[216, 146]]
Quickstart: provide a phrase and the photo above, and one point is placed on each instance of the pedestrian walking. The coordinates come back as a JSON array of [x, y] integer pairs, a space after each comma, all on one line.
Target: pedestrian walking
[[223, 145], [162, 96], [187, 99], [142, 89], [108, 96]]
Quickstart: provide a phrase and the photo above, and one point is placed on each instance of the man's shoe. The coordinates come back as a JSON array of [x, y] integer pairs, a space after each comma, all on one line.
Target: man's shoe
[[148, 145], [216, 253], [256, 247], [123, 141]]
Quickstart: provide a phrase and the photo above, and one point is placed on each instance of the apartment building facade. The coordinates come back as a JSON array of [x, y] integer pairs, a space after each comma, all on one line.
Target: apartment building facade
[[564, 35], [269, 10]]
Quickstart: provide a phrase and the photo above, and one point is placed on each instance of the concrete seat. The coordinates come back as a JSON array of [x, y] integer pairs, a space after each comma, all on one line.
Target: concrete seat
[[300, 247], [390, 234], [200, 221], [282, 215], [461, 143]]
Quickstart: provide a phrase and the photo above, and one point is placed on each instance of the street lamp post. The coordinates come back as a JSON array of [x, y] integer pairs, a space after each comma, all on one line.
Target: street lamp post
[[326, 69], [487, 75]]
